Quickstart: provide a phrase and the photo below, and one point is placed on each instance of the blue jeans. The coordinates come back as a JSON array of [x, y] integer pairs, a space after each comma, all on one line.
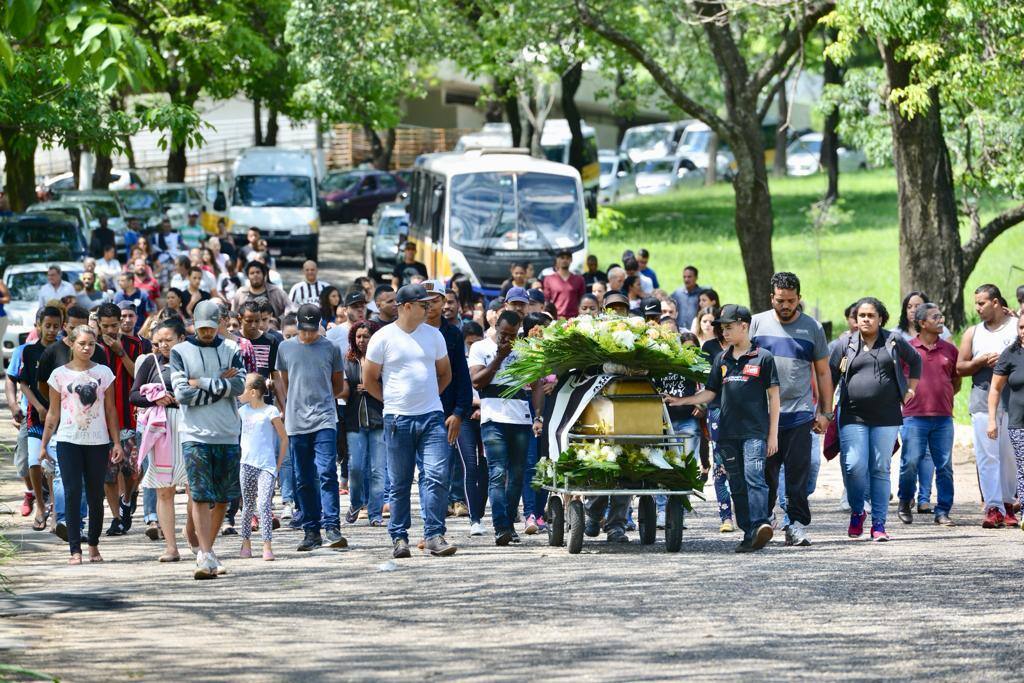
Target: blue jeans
[[287, 478], [505, 446], [456, 473], [148, 498], [744, 461], [925, 477], [865, 453], [534, 502], [718, 473], [691, 428], [366, 455], [315, 457], [474, 467], [928, 438], [417, 441]]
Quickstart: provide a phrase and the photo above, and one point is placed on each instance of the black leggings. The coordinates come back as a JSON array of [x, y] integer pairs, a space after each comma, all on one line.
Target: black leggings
[[75, 461]]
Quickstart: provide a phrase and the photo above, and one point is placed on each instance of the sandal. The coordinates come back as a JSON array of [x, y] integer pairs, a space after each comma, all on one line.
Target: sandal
[[245, 553], [95, 558], [167, 557], [268, 556], [153, 532], [76, 558], [39, 524]]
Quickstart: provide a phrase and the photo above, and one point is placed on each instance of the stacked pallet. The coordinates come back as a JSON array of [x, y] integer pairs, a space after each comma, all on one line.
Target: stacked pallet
[[350, 146]]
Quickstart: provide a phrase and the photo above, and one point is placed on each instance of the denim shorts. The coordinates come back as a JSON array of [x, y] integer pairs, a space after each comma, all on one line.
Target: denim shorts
[[212, 471]]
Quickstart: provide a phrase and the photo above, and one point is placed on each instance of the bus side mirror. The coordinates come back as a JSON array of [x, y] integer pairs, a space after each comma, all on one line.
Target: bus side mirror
[[221, 203]]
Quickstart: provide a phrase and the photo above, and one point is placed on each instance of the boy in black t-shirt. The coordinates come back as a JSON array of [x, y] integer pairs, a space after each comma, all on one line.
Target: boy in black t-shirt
[[748, 383]]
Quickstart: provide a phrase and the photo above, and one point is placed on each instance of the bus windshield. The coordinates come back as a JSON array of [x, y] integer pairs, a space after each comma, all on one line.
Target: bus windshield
[[510, 211], [272, 190]]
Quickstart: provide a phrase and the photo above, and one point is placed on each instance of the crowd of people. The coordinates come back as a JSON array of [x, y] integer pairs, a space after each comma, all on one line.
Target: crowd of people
[[188, 370]]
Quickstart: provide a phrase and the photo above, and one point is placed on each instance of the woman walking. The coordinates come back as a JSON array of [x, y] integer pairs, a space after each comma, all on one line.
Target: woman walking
[[158, 421], [81, 419], [872, 390], [1009, 372], [364, 427]]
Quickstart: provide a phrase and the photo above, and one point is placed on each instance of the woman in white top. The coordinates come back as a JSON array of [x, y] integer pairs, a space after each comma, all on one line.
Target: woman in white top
[[81, 418]]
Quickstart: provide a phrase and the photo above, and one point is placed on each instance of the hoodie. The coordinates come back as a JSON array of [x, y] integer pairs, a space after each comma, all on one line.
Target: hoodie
[[209, 412]]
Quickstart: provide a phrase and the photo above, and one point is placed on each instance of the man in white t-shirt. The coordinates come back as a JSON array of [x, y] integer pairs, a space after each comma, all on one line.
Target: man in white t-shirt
[[55, 287], [505, 423], [407, 368]]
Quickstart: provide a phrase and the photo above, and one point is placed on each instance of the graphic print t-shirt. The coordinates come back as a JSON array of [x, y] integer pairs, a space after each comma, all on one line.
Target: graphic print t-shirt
[[82, 418]]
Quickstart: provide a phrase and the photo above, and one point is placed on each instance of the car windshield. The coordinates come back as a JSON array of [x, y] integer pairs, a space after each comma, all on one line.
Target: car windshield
[[341, 181], [644, 139], [695, 141], [69, 212], [510, 211], [607, 167], [107, 208], [25, 286], [173, 195], [141, 201], [805, 146], [659, 166], [272, 190], [391, 226]]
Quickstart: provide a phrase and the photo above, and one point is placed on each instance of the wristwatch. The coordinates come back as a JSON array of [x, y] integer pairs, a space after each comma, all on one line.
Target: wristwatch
[[539, 418], [829, 416]]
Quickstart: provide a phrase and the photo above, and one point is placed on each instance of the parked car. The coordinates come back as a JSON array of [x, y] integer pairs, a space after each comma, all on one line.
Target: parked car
[[142, 204], [388, 231], [24, 280], [655, 176], [348, 196], [120, 179], [653, 141], [803, 156], [39, 236], [179, 196], [80, 212], [101, 203], [695, 145], [618, 175]]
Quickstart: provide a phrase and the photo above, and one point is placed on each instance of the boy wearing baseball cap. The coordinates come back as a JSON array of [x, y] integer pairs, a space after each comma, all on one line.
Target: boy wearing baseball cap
[[745, 377]]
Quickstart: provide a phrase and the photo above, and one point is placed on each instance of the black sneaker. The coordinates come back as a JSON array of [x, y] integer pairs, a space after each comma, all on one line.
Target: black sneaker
[[592, 528], [135, 501], [744, 546], [352, 516], [515, 536], [503, 537], [61, 531], [312, 541], [115, 528], [229, 530], [335, 539], [401, 550], [126, 516], [617, 536]]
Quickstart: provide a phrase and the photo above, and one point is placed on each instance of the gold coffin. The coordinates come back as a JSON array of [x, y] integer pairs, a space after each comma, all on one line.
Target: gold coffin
[[624, 406]]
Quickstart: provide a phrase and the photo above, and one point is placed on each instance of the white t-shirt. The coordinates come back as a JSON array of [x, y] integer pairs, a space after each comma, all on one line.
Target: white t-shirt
[[410, 376], [48, 292], [82, 418], [338, 335], [494, 409], [259, 437]]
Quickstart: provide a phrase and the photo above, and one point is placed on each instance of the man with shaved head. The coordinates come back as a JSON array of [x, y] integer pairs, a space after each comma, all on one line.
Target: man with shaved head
[[308, 290]]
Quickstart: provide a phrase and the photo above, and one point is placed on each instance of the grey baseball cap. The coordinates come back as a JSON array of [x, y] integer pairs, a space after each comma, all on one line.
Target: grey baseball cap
[[206, 314]]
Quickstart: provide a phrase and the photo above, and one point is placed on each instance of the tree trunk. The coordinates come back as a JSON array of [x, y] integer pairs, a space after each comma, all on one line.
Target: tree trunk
[[830, 137], [514, 120], [570, 84], [931, 259], [381, 150], [622, 123], [711, 172], [494, 109], [754, 219], [781, 133], [75, 156], [101, 174], [177, 162], [20, 156], [270, 139], [257, 123]]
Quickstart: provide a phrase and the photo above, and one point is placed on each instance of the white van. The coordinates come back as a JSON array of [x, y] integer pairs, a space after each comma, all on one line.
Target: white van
[[275, 190], [653, 141], [555, 142]]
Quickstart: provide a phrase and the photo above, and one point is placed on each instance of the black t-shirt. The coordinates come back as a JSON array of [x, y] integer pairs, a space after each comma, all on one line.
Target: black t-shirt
[[265, 349], [30, 375], [680, 387], [872, 389], [711, 349], [405, 272], [590, 278], [1011, 366], [742, 386]]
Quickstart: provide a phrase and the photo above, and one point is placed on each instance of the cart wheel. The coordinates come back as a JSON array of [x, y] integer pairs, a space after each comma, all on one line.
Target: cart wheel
[[673, 524], [576, 522], [648, 520], [555, 517]]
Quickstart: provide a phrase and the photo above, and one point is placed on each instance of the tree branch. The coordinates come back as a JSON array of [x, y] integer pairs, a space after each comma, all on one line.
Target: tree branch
[[762, 111], [791, 42], [678, 97], [993, 229]]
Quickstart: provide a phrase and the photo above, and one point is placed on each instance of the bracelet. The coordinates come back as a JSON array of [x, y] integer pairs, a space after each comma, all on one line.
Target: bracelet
[[539, 419]]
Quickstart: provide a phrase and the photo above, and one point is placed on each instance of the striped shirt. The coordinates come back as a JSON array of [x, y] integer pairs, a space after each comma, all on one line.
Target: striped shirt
[[123, 379], [307, 293]]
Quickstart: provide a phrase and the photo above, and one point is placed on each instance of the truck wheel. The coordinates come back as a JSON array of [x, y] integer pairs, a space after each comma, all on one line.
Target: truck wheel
[[673, 524], [647, 512], [556, 521], [576, 522]]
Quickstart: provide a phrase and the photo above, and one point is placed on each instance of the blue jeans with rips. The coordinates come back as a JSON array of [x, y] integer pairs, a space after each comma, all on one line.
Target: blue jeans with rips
[[865, 453], [927, 438], [718, 473], [505, 446], [744, 461], [315, 456], [366, 457], [417, 441]]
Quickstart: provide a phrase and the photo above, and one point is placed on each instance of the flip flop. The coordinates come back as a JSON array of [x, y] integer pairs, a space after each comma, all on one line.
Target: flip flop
[[166, 557], [75, 559], [39, 524], [97, 559]]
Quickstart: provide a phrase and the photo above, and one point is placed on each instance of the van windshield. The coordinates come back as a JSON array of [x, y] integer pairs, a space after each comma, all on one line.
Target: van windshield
[[695, 141], [272, 190], [641, 140], [509, 211]]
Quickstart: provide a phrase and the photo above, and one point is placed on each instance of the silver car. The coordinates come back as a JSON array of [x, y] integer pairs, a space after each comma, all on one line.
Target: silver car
[[656, 176], [618, 176], [23, 281], [383, 238], [803, 156]]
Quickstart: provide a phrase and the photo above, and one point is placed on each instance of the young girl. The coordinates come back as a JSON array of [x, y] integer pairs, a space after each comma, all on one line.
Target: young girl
[[259, 466]]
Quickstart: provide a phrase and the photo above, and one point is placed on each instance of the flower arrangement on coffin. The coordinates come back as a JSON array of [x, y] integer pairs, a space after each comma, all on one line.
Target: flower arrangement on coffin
[[599, 464], [585, 342]]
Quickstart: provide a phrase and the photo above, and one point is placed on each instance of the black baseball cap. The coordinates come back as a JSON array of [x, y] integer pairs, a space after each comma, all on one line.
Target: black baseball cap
[[536, 296], [615, 297], [308, 317], [733, 313], [354, 297], [651, 307], [412, 293]]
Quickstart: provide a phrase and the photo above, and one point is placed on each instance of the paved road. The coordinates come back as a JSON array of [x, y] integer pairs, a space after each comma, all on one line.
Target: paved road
[[934, 603], [341, 256]]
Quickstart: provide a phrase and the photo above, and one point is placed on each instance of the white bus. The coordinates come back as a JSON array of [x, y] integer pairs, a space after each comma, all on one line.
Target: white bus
[[478, 212]]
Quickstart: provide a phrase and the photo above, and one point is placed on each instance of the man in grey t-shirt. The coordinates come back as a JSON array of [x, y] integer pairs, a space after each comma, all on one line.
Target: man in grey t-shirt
[[798, 343], [313, 375]]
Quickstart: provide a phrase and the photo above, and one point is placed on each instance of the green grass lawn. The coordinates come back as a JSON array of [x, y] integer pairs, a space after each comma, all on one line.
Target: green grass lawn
[[857, 257]]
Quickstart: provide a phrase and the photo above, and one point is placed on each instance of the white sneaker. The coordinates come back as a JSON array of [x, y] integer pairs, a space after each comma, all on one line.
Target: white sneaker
[[286, 511], [844, 504], [477, 529], [795, 535], [661, 519], [218, 566], [205, 569]]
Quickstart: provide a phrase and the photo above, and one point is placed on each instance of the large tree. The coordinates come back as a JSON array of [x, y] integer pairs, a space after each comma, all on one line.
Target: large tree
[[952, 74], [752, 46]]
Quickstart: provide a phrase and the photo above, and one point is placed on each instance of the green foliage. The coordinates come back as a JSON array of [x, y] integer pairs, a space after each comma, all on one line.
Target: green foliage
[[609, 221], [179, 123]]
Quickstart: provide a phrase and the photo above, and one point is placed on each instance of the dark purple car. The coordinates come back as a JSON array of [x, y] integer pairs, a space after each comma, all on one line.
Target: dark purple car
[[347, 196]]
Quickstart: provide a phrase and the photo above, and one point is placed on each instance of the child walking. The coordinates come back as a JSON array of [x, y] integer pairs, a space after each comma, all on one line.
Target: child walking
[[259, 466]]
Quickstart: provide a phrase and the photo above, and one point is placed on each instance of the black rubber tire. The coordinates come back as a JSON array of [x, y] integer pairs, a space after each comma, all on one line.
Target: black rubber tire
[[673, 524], [647, 520], [555, 518], [576, 519]]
